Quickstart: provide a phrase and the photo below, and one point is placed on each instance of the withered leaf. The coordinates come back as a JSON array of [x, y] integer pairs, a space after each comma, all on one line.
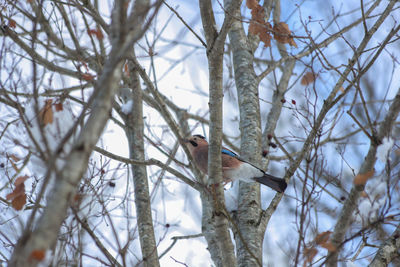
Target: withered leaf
[[309, 254], [87, 76], [12, 23], [282, 34], [308, 78], [362, 178], [46, 113], [59, 106], [18, 196], [251, 4], [96, 32], [329, 246], [19, 202], [322, 237], [38, 254]]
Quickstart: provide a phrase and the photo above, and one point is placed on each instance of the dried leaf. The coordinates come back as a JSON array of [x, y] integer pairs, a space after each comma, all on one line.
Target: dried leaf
[[46, 113], [258, 25], [96, 32], [19, 202], [18, 196], [20, 180], [59, 106], [308, 78], [126, 70], [12, 23], [361, 179], [341, 89], [329, 246], [322, 237], [38, 254], [309, 254], [251, 4], [282, 34], [87, 77]]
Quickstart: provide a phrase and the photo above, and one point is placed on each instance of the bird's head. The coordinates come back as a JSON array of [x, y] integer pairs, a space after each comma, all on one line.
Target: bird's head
[[195, 141]]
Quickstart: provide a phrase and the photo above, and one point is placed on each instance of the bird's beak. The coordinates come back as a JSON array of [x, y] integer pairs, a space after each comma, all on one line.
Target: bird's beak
[[186, 140]]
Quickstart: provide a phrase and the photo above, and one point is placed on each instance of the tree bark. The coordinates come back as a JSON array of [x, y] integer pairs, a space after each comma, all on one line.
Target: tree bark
[[248, 241], [388, 251], [135, 133]]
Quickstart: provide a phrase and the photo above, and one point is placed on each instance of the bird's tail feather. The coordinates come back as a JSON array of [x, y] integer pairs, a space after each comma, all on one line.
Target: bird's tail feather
[[278, 184]]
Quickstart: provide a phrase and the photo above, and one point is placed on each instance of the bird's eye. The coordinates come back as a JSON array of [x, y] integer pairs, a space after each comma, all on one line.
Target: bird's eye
[[193, 143]]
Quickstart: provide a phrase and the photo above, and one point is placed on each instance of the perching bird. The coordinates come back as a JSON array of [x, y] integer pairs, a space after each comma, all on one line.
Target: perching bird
[[233, 167]]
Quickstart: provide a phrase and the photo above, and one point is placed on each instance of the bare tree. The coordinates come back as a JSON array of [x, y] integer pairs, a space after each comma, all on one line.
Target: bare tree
[[307, 91]]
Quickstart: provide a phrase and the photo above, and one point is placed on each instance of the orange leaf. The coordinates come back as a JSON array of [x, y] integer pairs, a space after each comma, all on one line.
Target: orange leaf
[[87, 77], [258, 25], [282, 34], [18, 196], [19, 202], [251, 4], [96, 32], [361, 179], [18, 191], [38, 254], [310, 253], [12, 23], [308, 78], [59, 106], [46, 113], [322, 237], [329, 246], [126, 69], [20, 180]]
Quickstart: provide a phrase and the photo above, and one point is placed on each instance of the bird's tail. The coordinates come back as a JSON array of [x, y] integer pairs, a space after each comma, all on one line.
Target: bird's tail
[[278, 184]]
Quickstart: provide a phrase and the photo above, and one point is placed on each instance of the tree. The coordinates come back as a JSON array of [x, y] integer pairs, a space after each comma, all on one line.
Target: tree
[[289, 89]]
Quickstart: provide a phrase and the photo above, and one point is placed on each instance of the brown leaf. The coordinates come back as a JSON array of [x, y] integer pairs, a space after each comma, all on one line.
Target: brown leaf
[[308, 78], [20, 180], [18, 196], [19, 202], [258, 25], [18, 191], [59, 106], [96, 32], [251, 4], [322, 237], [282, 34], [329, 246], [12, 23], [46, 113], [361, 179], [309, 253], [38, 254], [126, 69], [341, 89], [87, 77]]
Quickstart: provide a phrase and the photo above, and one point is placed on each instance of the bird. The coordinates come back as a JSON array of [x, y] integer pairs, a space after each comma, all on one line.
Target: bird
[[233, 166]]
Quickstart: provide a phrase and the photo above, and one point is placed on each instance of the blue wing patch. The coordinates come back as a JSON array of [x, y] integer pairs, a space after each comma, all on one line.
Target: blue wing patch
[[228, 152]]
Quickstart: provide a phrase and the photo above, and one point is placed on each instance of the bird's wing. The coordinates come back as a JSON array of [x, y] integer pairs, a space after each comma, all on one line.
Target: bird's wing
[[230, 153]]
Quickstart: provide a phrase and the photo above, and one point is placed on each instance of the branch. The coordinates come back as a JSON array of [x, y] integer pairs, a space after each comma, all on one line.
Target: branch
[[388, 251]]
